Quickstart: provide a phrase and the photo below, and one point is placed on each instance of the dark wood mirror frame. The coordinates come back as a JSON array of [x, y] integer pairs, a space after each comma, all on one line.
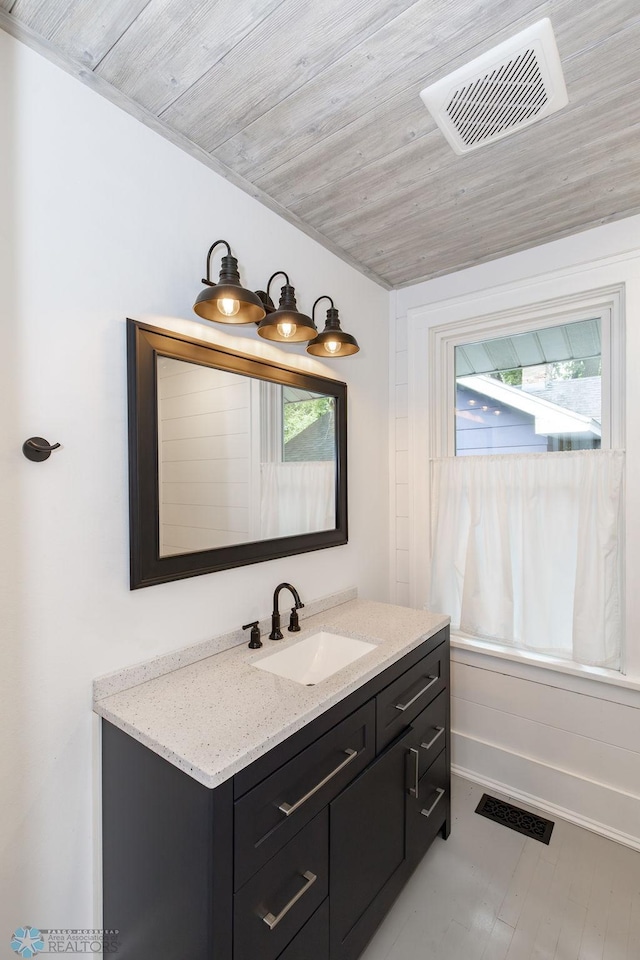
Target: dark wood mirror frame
[[144, 344]]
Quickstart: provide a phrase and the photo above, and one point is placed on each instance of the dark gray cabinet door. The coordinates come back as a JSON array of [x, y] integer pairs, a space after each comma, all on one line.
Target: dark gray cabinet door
[[367, 850]]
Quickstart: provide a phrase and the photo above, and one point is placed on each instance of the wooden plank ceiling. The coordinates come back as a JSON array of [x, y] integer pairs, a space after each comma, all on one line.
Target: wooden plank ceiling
[[313, 106]]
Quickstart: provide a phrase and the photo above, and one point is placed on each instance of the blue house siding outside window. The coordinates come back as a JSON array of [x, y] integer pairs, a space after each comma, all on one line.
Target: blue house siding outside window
[[485, 424]]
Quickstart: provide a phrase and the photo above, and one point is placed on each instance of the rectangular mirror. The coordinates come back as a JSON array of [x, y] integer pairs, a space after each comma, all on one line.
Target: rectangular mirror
[[233, 460]]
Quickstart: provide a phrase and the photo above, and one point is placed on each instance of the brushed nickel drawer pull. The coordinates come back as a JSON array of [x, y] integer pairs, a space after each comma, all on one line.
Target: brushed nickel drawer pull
[[289, 808], [405, 706], [440, 792], [272, 921], [414, 790], [427, 746]]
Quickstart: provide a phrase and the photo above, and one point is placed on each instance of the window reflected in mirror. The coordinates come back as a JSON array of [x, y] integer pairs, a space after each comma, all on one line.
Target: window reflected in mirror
[[240, 459]]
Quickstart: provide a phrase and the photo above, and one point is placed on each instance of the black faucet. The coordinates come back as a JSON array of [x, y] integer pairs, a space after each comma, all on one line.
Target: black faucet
[[276, 633]]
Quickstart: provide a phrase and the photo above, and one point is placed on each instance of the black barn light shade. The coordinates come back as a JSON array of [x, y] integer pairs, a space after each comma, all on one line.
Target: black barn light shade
[[285, 324], [332, 342], [227, 301]]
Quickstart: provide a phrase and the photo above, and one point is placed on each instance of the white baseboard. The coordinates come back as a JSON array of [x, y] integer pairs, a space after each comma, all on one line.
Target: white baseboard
[[516, 772]]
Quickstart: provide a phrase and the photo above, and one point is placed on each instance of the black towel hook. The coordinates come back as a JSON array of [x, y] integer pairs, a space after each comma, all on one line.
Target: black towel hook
[[38, 449]]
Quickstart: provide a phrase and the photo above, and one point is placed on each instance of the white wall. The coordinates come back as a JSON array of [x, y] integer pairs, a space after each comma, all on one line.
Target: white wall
[[101, 219], [566, 741]]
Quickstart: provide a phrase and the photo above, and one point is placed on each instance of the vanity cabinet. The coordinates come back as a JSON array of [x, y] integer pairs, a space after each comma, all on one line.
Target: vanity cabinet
[[300, 855]]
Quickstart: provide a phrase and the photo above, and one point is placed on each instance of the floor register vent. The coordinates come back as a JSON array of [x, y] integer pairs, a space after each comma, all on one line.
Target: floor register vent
[[510, 87], [522, 821]]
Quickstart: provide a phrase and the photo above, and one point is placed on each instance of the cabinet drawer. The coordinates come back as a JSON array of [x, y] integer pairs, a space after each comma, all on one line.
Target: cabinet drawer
[[270, 814], [312, 943], [273, 905], [399, 703], [428, 738], [427, 812]]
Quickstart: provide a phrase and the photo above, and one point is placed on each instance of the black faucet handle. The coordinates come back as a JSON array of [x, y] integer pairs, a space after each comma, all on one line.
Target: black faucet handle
[[294, 623], [255, 642]]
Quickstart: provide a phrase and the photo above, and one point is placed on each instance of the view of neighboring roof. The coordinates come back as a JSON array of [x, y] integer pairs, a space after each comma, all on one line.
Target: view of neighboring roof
[[315, 442], [582, 395]]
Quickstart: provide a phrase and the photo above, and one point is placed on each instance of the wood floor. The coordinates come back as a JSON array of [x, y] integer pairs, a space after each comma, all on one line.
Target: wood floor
[[488, 893]]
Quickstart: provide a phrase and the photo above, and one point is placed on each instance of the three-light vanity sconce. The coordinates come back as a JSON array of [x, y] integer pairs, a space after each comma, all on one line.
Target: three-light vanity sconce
[[227, 301]]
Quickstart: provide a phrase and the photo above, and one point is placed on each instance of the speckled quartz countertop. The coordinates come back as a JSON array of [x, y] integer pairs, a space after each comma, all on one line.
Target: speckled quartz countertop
[[215, 716]]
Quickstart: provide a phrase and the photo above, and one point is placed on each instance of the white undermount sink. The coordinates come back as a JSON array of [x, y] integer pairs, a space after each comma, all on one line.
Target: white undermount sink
[[315, 658]]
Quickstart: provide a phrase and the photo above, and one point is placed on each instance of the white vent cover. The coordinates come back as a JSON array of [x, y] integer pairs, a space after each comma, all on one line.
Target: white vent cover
[[510, 87]]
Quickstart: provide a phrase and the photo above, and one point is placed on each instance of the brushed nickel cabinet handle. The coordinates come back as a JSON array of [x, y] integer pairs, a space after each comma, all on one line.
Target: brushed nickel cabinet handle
[[289, 808], [416, 756], [427, 813], [427, 746], [272, 921], [405, 706]]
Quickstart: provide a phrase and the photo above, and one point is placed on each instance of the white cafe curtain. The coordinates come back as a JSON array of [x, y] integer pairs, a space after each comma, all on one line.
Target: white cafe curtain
[[526, 550], [297, 497]]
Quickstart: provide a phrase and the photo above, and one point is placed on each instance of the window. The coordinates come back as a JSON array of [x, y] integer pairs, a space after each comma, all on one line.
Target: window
[[307, 426], [526, 476], [297, 460], [530, 393], [296, 425]]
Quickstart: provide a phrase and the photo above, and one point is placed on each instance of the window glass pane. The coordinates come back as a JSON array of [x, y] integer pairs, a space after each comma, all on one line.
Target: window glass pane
[[534, 392], [308, 431]]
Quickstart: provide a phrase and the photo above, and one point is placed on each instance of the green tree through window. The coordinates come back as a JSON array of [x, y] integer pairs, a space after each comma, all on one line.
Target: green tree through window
[[297, 416]]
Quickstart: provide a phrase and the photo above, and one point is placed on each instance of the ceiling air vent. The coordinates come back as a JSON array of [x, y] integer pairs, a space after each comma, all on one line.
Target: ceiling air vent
[[507, 88]]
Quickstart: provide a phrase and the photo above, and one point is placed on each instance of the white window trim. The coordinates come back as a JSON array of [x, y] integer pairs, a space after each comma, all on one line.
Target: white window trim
[[269, 406], [431, 426], [566, 676], [443, 339]]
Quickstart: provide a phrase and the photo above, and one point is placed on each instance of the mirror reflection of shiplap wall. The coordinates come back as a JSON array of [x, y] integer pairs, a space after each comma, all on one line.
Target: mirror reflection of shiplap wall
[[205, 472], [226, 474]]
